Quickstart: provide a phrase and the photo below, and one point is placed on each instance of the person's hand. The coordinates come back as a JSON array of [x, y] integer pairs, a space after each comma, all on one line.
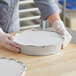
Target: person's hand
[[8, 43], [60, 28]]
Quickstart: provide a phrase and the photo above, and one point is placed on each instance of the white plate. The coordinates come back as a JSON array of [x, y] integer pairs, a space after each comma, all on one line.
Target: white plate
[[10, 67], [39, 42]]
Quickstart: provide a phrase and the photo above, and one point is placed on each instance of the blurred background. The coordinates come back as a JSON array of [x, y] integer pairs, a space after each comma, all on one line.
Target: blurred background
[[29, 14]]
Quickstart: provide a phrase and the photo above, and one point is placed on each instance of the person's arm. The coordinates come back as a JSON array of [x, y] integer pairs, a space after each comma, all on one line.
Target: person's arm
[[50, 11], [47, 7], [59, 27], [6, 41]]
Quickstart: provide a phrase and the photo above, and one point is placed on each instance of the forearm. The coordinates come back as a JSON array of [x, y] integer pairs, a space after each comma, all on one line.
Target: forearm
[[52, 18], [57, 23]]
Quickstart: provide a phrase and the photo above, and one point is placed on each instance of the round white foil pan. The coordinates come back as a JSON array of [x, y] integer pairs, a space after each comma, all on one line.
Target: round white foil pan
[[10, 67], [39, 42]]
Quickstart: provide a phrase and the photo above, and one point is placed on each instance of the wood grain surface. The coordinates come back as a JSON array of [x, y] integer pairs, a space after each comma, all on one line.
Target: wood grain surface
[[60, 64]]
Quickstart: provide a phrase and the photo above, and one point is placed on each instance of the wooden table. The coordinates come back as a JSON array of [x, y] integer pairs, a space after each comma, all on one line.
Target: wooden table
[[60, 64]]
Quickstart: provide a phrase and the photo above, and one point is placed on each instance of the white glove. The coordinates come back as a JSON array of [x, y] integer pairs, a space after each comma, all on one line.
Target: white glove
[[7, 42], [59, 27]]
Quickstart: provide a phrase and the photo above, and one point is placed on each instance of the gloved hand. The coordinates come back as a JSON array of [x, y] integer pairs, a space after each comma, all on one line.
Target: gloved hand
[[8, 43], [60, 28]]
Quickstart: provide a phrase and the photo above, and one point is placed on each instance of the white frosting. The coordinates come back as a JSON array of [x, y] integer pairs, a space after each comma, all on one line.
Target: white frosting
[[10, 68], [38, 38]]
